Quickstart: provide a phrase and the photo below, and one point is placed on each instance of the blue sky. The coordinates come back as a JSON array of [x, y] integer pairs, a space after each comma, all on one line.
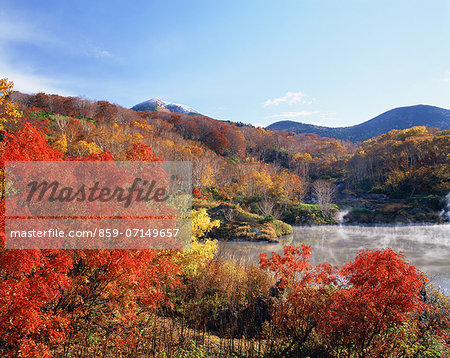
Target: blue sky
[[331, 63]]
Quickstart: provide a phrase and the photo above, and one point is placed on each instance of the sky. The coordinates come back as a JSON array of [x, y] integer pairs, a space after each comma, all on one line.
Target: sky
[[331, 63]]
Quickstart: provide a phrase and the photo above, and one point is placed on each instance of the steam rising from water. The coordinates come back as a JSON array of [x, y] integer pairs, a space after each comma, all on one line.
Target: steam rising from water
[[340, 216], [446, 212]]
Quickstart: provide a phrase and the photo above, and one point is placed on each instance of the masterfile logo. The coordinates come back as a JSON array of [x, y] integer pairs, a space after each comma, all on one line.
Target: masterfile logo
[[55, 192], [133, 205]]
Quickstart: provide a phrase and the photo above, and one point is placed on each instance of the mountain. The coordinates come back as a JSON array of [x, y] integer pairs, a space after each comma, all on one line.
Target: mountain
[[397, 118], [156, 104]]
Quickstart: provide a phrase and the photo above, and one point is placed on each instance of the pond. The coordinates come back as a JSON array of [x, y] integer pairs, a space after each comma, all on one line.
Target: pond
[[425, 246]]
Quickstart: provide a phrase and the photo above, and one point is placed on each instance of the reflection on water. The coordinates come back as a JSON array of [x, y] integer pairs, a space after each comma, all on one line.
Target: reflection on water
[[425, 246]]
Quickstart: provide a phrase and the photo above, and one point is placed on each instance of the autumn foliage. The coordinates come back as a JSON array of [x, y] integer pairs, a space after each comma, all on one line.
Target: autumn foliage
[[47, 294], [168, 302], [359, 309], [381, 293], [9, 111], [31, 280]]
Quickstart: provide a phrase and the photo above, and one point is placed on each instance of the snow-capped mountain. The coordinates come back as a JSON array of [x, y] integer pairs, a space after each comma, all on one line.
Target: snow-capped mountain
[[156, 104]]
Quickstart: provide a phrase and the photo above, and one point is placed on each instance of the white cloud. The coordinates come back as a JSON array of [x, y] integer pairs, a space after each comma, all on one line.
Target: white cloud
[[289, 98], [25, 78], [285, 115], [446, 77], [99, 53], [29, 82]]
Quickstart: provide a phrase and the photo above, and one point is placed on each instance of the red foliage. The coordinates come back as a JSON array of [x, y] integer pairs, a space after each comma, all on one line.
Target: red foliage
[[306, 295], [104, 156], [383, 291], [106, 111], [143, 152], [217, 142], [45, 293], [27, 144], [197, 193], [31, 280], [374, 296], [291, 267]]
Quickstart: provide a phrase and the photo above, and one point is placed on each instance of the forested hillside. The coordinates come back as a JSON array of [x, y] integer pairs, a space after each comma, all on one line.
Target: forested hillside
[[267, 172], [222, 152], [193, 302]]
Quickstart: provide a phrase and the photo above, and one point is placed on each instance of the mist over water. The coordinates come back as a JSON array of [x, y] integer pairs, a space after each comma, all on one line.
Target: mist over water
[[340, 216], [446, 212], [425, 246]]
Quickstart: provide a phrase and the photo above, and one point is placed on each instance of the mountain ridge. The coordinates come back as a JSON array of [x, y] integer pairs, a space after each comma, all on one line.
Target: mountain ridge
[[397, 118]]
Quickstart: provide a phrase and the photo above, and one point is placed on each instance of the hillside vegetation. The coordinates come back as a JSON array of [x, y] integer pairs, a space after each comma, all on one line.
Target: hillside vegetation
[[265, 172], [192, 303]]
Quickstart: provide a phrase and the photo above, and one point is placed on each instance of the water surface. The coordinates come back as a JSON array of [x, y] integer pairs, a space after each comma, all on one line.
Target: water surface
[[425, 246]]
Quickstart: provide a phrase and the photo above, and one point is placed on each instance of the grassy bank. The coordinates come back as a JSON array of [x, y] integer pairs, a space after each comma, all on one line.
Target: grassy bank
[[237, 223]]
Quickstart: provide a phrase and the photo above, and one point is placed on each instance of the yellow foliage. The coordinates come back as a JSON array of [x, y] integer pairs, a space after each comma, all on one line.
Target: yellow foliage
[[302, 157], [9, 111], [61, 144], [116, 139], [195, 151], [412, 132], [136, 137], [201, 223], [84, 149], [208, 176], [144, 126], [203, 251], [259, 182], [395, 177]]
